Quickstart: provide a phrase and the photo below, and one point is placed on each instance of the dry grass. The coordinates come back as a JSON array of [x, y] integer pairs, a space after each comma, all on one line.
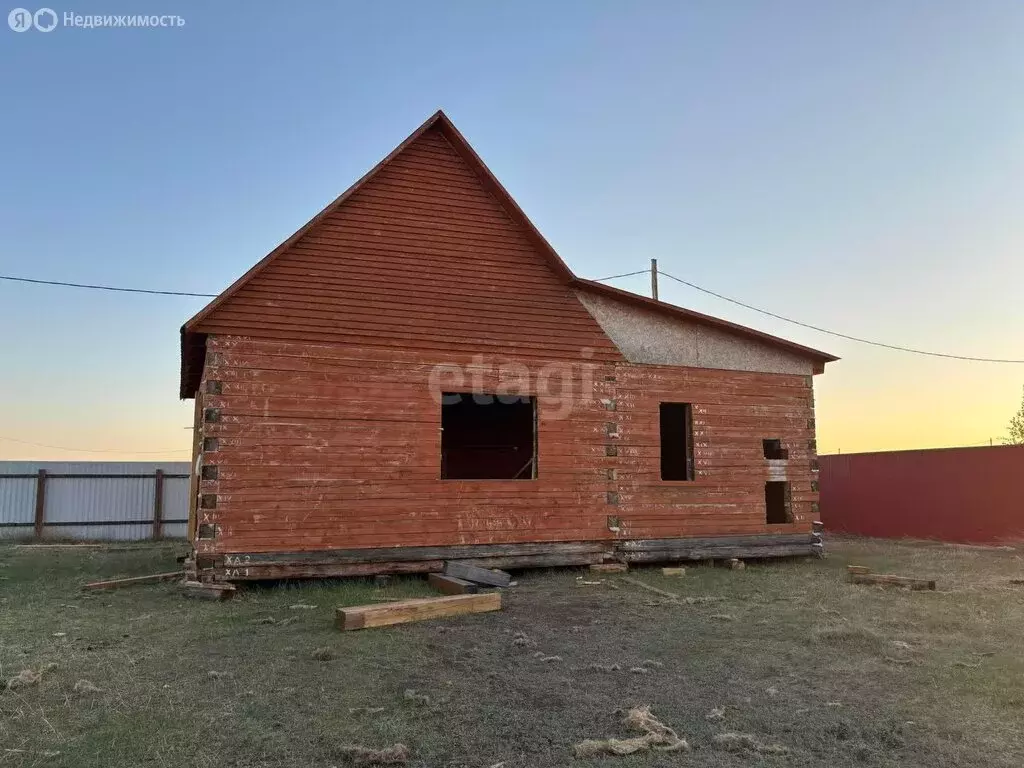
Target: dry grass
[[808, 670]]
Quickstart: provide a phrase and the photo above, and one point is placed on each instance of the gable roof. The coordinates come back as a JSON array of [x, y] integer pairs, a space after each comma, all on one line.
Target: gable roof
[[439, 120], [193, 338]]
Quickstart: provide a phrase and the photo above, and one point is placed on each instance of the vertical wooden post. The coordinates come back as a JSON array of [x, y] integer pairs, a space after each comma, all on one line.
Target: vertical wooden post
[[193, 480], [654, 279], [40, 520], [158, 505]]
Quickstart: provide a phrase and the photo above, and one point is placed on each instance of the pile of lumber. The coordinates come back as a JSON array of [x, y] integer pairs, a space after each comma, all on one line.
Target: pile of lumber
[[467, 588], [462, 578]]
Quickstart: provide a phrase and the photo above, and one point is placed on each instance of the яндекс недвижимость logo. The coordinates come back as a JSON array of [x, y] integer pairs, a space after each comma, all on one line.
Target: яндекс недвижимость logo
[[46, 20], [22, 19]]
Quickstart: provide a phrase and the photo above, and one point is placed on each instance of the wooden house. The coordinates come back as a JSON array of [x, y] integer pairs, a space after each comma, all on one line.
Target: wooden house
[[415, 375]]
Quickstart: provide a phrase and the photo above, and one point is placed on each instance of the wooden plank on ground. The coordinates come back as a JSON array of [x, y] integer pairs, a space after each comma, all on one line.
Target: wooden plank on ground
[[649, 588], [891, 580], [451, 585], [207, 591], [366, 616], [673, 571], [470, 572], [609, 567], [112, 583]]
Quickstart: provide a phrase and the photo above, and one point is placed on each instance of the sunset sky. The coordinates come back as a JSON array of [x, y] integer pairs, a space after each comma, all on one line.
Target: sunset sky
[[855, 166]]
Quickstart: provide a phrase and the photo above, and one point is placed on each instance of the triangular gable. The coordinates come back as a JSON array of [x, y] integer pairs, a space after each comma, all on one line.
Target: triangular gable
[[426, 251], [440, 122]]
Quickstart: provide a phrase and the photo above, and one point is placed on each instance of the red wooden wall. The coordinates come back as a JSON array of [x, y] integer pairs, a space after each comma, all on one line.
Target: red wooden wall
[[951, 494], [328, 446]]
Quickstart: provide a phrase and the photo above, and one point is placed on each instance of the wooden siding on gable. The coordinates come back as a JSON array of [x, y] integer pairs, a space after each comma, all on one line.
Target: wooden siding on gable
[[420, 256]]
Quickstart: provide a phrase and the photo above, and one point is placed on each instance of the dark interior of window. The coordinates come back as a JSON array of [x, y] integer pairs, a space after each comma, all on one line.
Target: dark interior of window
[[777, 505], [676, 441], [773, 449], [488, 437]]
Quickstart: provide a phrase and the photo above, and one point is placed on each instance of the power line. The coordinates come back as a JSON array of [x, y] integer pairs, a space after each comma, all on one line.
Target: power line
[[628, 274], [836, 333], [106, 287], [90, 450], [696, 287]]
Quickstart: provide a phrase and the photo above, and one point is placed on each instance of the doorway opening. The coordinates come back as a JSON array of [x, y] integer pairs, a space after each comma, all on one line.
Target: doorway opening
[[777, 503]]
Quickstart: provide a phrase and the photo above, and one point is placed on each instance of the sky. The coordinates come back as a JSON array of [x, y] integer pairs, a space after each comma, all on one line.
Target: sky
[[856, 166]]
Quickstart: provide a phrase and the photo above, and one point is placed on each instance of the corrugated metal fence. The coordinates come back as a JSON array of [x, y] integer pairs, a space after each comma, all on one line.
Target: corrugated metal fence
[[94, 500], [971, 495]]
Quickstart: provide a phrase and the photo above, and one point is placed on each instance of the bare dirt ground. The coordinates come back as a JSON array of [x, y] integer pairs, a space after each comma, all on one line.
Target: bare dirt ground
[[784, 665]]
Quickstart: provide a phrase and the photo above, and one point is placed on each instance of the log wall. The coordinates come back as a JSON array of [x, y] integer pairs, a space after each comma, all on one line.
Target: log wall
[[314, 447]]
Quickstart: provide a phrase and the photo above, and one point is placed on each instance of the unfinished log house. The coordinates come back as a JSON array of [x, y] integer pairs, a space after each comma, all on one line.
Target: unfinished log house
[[415, 376]]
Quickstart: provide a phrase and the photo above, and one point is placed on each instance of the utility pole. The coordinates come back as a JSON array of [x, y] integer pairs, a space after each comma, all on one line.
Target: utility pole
[[654, 279]]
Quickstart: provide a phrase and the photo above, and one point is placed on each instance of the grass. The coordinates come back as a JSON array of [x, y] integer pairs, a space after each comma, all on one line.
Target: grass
[[804, 668]]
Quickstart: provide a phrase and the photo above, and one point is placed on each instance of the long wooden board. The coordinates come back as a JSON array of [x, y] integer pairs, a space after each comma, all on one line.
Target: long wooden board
[[649, 588], [112, 583], [892, 580], [366, 616], [609, 567]]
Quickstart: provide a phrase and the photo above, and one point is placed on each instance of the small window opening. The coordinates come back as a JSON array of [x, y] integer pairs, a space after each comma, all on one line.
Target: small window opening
[[773, 449], [676, 441], [777, 502], [488, 437]]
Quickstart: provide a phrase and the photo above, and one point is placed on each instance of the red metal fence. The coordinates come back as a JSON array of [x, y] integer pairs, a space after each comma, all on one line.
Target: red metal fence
[[949, 494]]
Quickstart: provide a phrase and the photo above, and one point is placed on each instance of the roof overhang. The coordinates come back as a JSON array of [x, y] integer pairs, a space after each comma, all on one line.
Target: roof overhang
[[193, 358]]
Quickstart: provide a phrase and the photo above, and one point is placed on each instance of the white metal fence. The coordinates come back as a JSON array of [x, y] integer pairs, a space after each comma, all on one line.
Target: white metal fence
[[93, 499]]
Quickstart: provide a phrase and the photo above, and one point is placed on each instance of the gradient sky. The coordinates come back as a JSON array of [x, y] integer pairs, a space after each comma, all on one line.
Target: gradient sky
[[859, 166]]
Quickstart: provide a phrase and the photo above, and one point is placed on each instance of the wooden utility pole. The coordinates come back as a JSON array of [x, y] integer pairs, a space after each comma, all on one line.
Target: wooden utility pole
[[654, 279]]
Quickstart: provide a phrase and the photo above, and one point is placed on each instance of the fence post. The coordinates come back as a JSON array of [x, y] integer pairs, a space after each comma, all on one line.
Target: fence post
[[40, 503], [158, 505]]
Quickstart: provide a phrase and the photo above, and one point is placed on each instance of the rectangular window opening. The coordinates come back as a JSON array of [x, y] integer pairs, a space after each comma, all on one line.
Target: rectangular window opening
[[777, 503], [676, 441], [773, 449], [488, 437]]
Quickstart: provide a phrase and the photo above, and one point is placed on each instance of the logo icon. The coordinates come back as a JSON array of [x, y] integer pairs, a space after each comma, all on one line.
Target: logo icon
[[45, 19], [20, 20]]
